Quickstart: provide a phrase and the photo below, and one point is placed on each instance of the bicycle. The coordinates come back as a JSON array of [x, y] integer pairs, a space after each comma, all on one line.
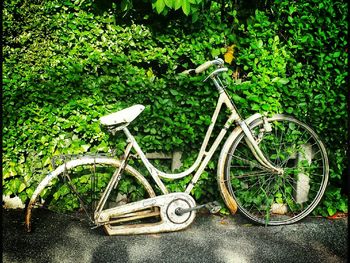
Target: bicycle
[[274, 169]]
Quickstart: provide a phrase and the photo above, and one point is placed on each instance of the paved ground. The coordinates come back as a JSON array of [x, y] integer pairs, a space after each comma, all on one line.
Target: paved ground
[[59, 238]]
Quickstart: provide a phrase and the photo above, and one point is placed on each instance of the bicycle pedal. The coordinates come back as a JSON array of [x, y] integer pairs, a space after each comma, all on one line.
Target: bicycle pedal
[[213, 207]]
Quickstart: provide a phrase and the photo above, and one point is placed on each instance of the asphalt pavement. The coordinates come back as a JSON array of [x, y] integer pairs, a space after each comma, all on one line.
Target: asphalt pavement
[[211, 238]]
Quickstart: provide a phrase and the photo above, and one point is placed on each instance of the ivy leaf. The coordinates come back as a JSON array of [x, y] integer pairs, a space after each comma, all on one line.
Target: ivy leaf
[[177, 4], [280, 80], [215, 52], [254, 98], [126, 5], [283, 81], [195, 17], [186, 7], [174, 92], [336, 54], [159, 4], [169, 3], [343, 206], [197, 193], [331, 210], [265, 107], [85, 147], [21, 187], [289, 110], [255, 107]]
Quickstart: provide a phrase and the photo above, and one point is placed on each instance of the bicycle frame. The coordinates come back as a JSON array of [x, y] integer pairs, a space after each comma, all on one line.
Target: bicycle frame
[[203, 156], [175, 211]]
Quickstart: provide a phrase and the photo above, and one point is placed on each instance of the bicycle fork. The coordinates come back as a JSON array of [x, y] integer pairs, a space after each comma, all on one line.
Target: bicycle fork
[[254, 147]]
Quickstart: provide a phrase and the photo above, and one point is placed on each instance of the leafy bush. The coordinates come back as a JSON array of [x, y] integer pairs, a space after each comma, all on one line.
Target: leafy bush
[[72, 66], [67, 64], [294, 61]]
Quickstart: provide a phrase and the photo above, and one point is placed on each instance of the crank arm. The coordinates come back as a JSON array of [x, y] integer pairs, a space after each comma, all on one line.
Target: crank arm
[[180, 211], [213, 208]]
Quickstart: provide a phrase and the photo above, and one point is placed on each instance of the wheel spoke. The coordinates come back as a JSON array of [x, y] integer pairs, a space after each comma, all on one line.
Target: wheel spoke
[[253, 164], [84, 183], [253, 174]]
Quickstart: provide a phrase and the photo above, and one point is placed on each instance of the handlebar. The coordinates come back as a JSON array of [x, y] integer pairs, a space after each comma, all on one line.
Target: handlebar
[[208, 64], [205, 66]]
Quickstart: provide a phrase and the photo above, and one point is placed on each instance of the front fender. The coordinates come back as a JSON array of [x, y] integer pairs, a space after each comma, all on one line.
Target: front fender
[[228, 199]]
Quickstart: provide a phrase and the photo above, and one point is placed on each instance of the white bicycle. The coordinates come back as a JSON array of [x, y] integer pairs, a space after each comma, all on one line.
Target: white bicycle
[[275, 169]]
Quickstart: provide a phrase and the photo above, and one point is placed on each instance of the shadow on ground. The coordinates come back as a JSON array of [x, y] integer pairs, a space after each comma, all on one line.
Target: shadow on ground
[[60, 238]]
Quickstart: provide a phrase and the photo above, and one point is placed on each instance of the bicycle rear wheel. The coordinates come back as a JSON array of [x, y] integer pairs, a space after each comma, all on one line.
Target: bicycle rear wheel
[[77, 185], [269, 198]]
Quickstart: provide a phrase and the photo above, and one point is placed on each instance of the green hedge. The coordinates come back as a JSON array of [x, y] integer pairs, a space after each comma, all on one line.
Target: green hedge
[[295, 61], [66, 65]]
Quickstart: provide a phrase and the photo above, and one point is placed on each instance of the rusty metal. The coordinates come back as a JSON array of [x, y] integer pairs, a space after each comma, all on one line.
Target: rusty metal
[[83, 160], [133, 217], [168, 219], [226, 196]]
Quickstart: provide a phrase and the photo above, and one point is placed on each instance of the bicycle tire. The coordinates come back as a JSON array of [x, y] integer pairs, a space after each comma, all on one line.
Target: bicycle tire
[[62, 197], [262, 195]]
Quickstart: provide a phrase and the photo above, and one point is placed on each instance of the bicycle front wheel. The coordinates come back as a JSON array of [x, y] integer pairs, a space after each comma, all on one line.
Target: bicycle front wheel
[[272, 198]]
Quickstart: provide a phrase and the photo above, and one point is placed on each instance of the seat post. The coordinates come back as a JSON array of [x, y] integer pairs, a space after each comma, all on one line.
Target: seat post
[[128, 134]]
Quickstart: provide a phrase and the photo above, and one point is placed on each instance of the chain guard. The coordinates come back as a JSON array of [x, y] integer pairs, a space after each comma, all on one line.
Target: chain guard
[[166, 206]]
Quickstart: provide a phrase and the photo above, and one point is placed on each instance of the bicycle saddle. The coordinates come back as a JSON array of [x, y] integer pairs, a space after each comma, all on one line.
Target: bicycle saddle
[[122, 117]]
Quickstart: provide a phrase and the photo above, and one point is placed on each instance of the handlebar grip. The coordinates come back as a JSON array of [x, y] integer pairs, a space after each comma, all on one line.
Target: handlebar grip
[[204, 66], [187, 72]]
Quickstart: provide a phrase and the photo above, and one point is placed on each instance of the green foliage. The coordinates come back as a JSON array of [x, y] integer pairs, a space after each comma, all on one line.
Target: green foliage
[[293, 61], [164, 5], [186, 7], [262, 59], [315, 32], [77, 66], [67, 63]]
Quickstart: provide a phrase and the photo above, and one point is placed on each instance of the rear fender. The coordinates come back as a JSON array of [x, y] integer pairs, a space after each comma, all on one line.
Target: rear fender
[[74, 163]]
